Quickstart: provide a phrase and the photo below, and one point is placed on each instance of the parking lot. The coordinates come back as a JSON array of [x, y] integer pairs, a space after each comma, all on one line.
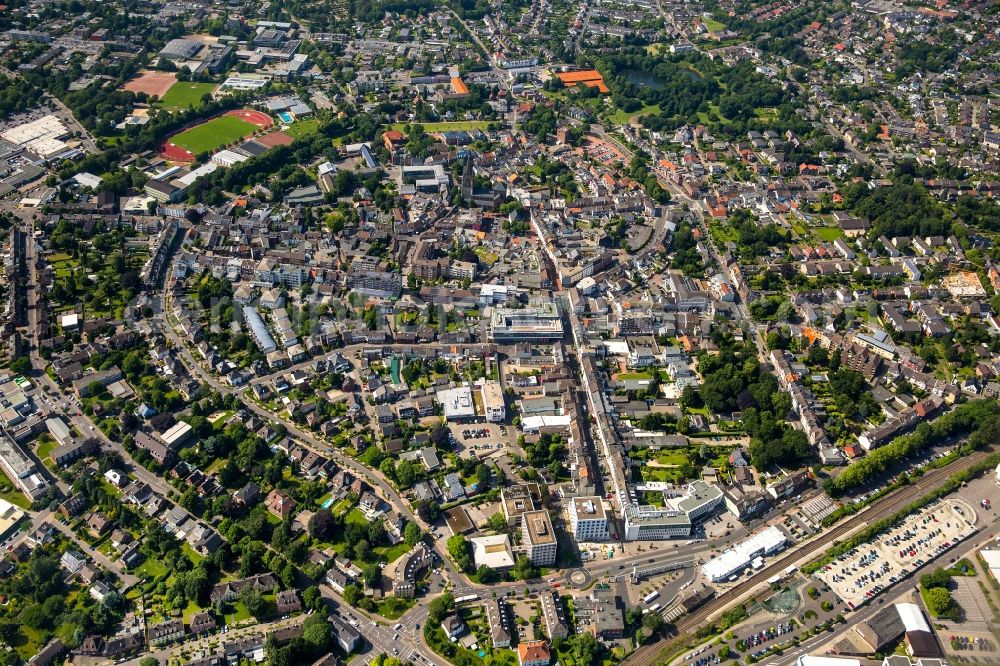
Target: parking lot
[[479, 439], [860, 575], [757, 643]]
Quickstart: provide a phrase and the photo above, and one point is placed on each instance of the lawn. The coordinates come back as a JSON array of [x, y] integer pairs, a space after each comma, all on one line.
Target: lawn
[[341, 507], [829, 234], [45, 447], [63, 264], [10, 493], [150, 568], [355, 516], [393, 553], [454, 126], [239, 613], [192, 555], [301, 128], [393, 607], [214, 134], [713, 25], [722, 233], [672, 458], [486, 256], [620, 117], [184, 95]]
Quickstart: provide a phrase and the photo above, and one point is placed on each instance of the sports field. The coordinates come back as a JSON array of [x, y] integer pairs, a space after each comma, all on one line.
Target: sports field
[[152, 83], [215, 133], [184, 95]]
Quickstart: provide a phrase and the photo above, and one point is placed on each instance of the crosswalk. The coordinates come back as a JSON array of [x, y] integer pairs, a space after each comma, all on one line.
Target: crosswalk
[[673, 612]]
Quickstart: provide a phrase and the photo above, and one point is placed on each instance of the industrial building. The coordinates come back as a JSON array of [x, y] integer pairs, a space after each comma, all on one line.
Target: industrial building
[[744, 554], [493, 552], [457, 403], [883, 631], [43, 137]]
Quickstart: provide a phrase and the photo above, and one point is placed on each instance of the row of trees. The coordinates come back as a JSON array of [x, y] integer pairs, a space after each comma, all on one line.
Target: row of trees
[[981, 418]]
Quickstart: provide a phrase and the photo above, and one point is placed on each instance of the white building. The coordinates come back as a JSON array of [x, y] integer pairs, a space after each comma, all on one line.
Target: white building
[[228, 158], [177, 434], [645, 522], [494, 407], [587, 519], [538, 538], [70, 322], [457, 403], [651, 523], [810, 660], [492, 551], [743, 554]]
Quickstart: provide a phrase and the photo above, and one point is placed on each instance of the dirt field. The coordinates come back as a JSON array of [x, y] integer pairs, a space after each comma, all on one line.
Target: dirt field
[[151, 83], [272, 139]]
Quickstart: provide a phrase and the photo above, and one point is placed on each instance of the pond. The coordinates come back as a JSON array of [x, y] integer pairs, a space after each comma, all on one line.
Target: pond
[[649, 80]]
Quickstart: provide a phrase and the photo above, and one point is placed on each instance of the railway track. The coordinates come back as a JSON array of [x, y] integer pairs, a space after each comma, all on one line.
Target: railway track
[[648, 654]]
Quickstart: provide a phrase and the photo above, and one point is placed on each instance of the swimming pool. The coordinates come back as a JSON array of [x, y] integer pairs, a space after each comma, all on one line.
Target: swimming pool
[[285, 117], [327, 503]]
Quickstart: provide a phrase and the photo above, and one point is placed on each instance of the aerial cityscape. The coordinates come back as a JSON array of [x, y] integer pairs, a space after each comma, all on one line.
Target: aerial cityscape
[[500, 332]]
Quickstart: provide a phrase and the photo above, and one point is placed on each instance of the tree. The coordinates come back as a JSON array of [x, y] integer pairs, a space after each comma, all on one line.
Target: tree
[[362, 550], [497, 522], [587, 650], [458, 548], [940, 603], [937, 578], [371, 575], [388, 469], [439, 608], [524, 569], [483, 477], [653, 622], [21, 365], [312, 598], [428, 510], [149, 661], [163, 422], [317, 632], [352, 593], [440, 436], [412, 534], [486, 575], [253, 600], [406, 474]]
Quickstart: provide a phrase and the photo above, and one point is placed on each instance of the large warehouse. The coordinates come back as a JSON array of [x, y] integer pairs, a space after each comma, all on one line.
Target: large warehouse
[[43, 137], [743, 554]]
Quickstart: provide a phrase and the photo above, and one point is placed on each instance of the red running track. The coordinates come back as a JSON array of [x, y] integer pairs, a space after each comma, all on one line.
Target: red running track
[[173, 153], [258, 118]]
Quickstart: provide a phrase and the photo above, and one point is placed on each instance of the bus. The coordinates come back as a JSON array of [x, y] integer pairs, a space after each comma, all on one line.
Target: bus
[[649, 597]]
